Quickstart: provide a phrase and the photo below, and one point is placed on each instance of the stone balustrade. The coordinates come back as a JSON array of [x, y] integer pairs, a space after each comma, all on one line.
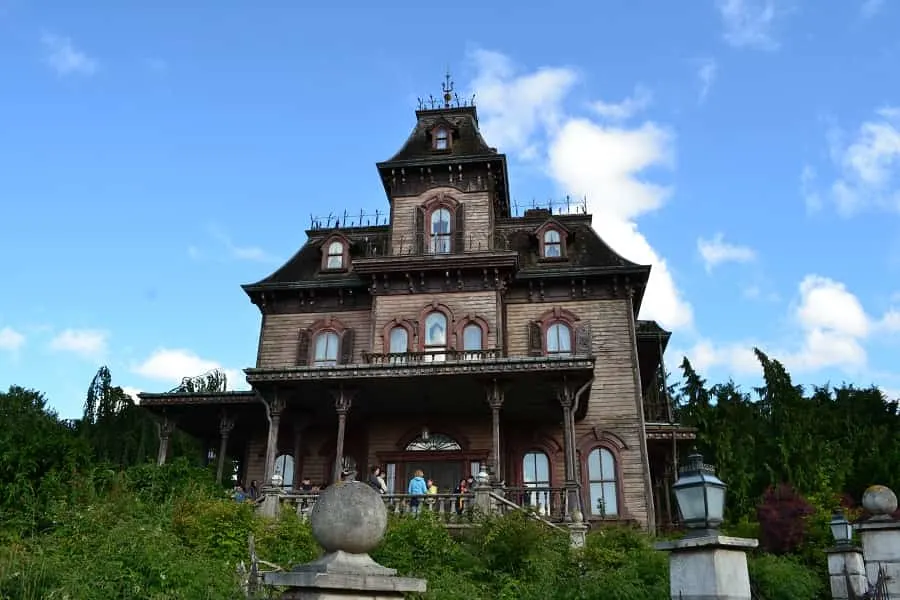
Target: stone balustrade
[[448, 507]]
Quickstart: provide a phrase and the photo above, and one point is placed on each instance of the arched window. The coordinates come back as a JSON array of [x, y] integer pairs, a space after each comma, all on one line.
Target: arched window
[[536, 474], [439, 228], [335, 258], [436, 336], [472, 337], [602, 483], [559, 340], [326, 349], [399, 340], [284, 466], [552, 244], [433, 442], [441, 138]]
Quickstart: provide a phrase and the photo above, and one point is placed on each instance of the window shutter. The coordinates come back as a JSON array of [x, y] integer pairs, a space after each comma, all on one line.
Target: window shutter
[[303, 341], [347, 347], [583, 339], [459, 244], [535, 340], [419, 233]]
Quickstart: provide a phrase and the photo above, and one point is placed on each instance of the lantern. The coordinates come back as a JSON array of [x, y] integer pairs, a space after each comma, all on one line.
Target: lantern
[[700, 496], [841, 529]]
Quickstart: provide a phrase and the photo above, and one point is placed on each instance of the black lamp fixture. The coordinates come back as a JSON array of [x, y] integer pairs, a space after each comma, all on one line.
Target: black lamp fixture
[[700, 496]]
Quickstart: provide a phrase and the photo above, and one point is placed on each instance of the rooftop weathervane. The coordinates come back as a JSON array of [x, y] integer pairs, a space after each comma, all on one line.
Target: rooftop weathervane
[[449, 98]]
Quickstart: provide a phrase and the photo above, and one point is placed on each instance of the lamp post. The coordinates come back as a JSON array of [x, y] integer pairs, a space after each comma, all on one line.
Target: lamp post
[[700, 496], [841, 530]]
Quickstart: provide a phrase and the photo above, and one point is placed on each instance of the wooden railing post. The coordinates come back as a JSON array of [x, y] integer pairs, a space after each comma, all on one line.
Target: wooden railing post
[[342, 402], [226, 424]]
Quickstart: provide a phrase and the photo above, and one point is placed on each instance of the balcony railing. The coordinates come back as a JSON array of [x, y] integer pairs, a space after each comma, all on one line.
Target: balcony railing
[[413, 358], [450, 508]]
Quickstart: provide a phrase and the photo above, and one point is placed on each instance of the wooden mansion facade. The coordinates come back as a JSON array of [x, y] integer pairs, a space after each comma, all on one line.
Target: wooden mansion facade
[[456, 337]]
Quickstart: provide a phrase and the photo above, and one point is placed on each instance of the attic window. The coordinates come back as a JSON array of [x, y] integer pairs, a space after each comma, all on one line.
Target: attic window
[[335, 255], [441, 138], [552, 245]]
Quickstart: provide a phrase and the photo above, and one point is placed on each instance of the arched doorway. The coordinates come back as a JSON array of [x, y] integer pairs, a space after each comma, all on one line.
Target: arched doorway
[[436, 455]]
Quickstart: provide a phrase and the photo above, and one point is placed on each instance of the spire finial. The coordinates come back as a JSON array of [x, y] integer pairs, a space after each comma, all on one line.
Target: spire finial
[[447, 87]]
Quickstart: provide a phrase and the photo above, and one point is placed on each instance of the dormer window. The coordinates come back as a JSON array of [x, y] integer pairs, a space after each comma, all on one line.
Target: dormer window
[[441, 138], [552, 244], [335, 253]]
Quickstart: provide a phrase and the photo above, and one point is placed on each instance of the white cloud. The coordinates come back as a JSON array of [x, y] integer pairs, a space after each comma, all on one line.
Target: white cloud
[[868, 164], [627, 108], [173, 365], [749, 23], [252, 253], [10, 339], [87, 343], [133, 392], [832, 327], [717, 251], [892, 394], [870, 8], [524, 114], [65, 58], [706, 74]]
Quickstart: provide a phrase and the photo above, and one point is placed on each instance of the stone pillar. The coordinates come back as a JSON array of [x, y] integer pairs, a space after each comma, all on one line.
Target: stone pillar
[[880, 537], [164, 430], [578, 531], [708, 568], [495, 401], [342, 402], [846, 573], [226, 424], [348, 521], [274, 407]]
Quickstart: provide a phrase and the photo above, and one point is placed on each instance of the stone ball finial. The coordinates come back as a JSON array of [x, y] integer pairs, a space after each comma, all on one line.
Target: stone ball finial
[[349, 516], [879, 500]]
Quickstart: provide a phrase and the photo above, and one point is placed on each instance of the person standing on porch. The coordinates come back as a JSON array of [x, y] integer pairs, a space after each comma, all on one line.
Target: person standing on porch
[[376, 480], [416, 490]]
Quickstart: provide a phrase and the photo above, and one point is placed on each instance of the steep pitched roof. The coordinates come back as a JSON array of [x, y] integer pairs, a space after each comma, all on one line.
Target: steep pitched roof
[[467, 141]]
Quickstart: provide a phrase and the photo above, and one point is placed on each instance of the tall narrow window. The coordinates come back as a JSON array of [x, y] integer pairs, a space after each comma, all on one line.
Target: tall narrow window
[[436, 336], [399, 341], [552, 244], [440, 231], [472, 341], [602, 483], [335, 259], [536, 476], [284, 466], [441, 138], [559, 340], [326, 349]]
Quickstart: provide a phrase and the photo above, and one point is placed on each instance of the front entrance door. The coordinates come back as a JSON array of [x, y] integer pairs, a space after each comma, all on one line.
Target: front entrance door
[[446, 474]]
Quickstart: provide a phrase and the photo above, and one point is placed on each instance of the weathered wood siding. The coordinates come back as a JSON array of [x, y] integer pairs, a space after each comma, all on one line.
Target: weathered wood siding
[[279, 335], [478, 219], [612, 405], [461, 305]]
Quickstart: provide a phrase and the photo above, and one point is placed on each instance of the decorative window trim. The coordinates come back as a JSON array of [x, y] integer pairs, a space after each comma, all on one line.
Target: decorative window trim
[[553, 225], [465, 322], [345, 257], [434, 137], [410, 332], [545, 321], [411, 435], [441, 308], [433, 205], [614, 444], [308, 336]]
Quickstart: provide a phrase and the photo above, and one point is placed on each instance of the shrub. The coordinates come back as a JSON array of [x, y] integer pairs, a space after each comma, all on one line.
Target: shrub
[[782, 517], [783, 578]]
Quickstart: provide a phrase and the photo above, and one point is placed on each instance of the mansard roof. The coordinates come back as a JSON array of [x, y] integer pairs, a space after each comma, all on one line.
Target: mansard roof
[[305, 266], [466, 143]]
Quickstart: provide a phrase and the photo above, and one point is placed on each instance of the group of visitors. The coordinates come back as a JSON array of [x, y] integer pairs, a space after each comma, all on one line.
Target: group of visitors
[[419, 490]]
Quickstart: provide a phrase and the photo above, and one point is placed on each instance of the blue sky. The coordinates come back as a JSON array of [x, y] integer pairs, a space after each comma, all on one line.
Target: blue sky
[[157, 155]]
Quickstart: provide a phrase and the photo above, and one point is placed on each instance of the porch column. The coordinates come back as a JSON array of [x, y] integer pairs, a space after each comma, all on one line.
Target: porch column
[[274, 407], [342, 401], [163, 429], [300, 423], [569, 399], [495, 399], [226, 424]]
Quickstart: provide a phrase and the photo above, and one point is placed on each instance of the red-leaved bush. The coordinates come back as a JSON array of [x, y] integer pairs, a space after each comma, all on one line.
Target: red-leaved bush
[[782, 519]]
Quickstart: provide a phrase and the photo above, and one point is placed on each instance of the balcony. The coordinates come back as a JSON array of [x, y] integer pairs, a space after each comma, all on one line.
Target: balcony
[[414, 358]]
